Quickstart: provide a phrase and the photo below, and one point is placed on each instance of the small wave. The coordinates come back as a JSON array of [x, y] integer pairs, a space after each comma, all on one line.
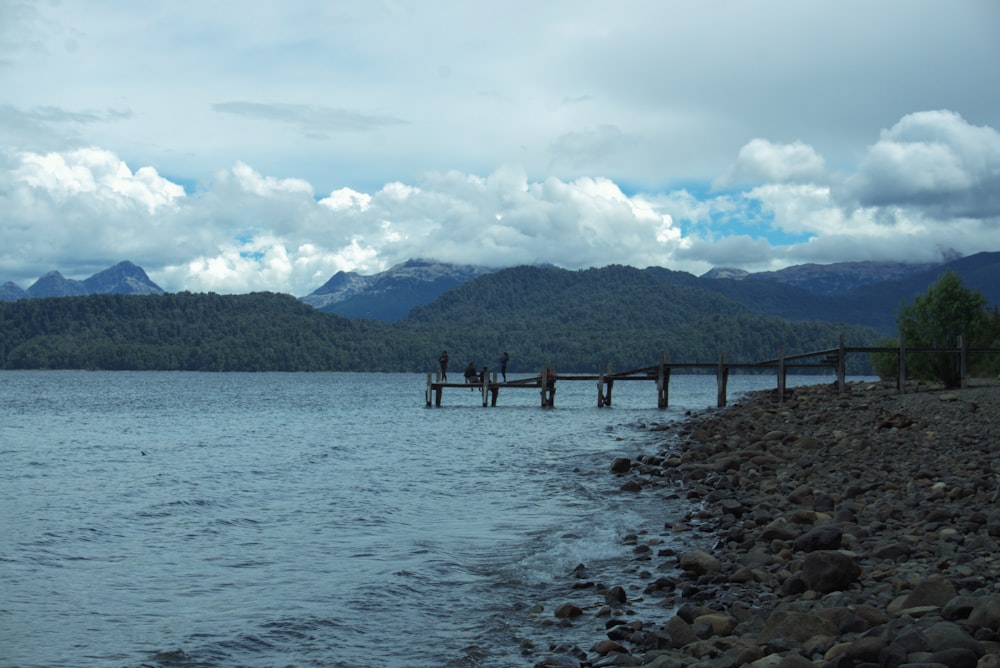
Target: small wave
[[238, 522]]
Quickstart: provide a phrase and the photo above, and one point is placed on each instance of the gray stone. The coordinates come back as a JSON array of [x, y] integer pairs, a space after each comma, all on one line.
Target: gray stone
[[819, 538], [798, 626], [986, 612], [948, 635], [825, 571], [680, 632], [935, 590], [700, 562], [958, 657]]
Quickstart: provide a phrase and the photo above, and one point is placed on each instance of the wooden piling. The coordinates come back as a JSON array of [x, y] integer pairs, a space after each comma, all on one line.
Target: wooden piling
[[609, 385], [722, 380], [663, 381], [548, 385], [600, 385]]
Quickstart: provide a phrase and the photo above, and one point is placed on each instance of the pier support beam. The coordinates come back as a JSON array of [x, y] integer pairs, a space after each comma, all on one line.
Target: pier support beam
[[600, 385], [663, 381], [548, 385], [722, 380], [604, 385]]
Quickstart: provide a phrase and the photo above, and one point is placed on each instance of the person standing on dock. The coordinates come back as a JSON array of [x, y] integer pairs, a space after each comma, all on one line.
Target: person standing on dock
[[503, 365], [443, 361]]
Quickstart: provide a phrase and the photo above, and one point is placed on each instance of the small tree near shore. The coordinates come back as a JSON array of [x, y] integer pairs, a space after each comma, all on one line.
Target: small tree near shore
[[936, 320]]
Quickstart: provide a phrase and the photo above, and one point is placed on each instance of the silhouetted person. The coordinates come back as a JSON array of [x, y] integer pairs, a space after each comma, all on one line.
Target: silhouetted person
[[443, 361], [470, 374], [503, 365]]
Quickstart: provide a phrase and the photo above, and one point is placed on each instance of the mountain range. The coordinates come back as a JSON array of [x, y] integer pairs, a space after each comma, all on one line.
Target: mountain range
[[861, 293], [123, 278], [618, 314], [390, 295], [864, 293]]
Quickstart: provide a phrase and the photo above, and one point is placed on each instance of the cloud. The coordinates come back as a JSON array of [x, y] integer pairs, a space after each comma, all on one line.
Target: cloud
[[84, 209], [591, 147], [50, 127], [95, 176], [935, 162], [761, 160], [312, 120]]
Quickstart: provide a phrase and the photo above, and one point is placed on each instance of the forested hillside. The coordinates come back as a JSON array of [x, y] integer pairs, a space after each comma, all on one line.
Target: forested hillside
[[575, 319], [184, 331], [624, 315]]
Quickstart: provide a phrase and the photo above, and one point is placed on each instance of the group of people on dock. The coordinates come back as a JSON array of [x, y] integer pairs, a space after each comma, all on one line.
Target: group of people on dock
[[471, 375]]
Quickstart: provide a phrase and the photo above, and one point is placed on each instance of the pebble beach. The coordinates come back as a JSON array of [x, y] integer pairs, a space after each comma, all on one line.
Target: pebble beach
[[841, 529]]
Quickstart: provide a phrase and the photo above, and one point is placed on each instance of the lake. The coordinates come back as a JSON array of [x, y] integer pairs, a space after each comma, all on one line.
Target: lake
[[327, 519]]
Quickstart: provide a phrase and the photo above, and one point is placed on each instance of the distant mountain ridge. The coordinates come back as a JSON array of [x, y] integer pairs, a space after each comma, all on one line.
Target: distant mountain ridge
[[838, 278], [390, 295], [796, 292], [576, 318], [862, 293], [124, 278]]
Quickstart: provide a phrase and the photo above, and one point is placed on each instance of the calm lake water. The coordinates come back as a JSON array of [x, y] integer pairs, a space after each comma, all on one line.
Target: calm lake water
[[186, 519]]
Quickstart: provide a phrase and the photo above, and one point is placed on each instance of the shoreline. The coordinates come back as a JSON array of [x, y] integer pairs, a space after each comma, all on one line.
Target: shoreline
[[830, 530]]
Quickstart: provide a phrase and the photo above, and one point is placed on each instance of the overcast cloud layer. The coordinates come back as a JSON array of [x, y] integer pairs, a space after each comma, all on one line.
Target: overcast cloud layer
[[239, 146]]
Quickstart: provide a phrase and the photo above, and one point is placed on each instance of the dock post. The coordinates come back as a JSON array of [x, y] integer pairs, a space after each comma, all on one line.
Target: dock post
[[427, 394], [544, 377], [494, 390], [548, 385], [484, 384], [600, 385], [901, 367], [663, 382], [781, 376], [842, 367], [552, 386], [722, 379], [610, 382]]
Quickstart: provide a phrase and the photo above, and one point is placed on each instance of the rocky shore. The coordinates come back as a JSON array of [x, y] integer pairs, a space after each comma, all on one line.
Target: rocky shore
[[831, 529]]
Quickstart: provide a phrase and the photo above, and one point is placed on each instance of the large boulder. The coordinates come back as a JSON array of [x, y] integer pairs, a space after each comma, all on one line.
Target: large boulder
[[797, 626], [824, 571], [700, 562]]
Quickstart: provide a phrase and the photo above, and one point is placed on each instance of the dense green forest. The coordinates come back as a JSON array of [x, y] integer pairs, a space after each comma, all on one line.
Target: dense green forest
[[576, 320]]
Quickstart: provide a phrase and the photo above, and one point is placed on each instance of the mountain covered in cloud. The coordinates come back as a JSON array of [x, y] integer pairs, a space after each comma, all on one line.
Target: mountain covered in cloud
[[124, 278], [838, 278], [389, 295]]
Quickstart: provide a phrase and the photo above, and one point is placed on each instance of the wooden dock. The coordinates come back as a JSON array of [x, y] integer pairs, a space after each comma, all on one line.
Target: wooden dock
[[545, 383], [547, 380]]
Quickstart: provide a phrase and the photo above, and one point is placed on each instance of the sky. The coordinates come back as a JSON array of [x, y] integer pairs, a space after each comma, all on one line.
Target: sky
[[238, 146]]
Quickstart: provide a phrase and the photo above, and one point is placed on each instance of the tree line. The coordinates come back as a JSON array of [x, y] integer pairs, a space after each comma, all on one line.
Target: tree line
[[627, 325]]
